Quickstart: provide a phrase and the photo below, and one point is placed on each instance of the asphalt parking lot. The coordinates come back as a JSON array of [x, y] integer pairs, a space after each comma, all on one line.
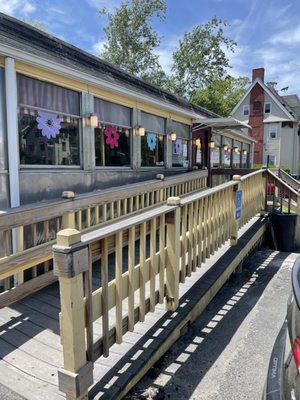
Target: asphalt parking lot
[[225, 353]]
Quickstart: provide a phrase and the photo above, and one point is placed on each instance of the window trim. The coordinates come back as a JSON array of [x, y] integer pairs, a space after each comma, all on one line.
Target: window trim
[[267, 102], [118, 167], [55, 166], [246, 107], [276, 131]]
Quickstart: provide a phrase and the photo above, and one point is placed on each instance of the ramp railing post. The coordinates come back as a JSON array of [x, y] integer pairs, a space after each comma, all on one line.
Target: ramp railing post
[[235, 222], [173, 254], [70, 262]]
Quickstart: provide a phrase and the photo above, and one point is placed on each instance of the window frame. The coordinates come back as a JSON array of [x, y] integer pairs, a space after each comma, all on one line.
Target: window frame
[[246, 107], [56, 166], [276, 132], [117, 167], [80, 133], [269, 112]]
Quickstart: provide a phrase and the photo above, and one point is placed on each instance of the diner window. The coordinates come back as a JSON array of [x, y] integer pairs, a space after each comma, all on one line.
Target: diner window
[[273, 131], [152, 148], [226, 151], [245, 155], [48, 123], [246, 109], [215, 151], [267, 108], [236, 154], [112, 146], [113, 134], [153, 142], [180, 150]]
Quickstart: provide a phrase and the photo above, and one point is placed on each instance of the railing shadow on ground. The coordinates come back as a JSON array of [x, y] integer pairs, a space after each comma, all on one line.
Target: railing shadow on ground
[[212, 331]]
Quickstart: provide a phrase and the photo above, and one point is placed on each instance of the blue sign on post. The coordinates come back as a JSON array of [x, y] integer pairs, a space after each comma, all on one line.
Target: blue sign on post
[[238, 204]]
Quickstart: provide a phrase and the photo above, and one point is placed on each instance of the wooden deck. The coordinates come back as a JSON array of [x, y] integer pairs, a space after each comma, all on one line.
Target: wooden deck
[[31, 352]]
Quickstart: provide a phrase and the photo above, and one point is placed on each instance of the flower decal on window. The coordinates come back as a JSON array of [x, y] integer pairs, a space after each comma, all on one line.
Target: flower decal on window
[[151, 140], [112, 136], [178, 146], [49, 124]]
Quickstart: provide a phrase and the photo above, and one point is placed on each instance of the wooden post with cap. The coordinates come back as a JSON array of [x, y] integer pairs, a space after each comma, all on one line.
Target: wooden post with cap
[[173, 254], [70, 262]]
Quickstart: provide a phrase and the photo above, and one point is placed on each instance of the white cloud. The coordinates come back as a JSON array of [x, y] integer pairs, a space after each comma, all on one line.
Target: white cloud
[[109, 4], [17, 7], [98, 47], [289, 37]]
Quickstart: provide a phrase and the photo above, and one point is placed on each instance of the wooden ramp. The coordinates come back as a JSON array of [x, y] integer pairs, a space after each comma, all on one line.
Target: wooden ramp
[[30, 349]]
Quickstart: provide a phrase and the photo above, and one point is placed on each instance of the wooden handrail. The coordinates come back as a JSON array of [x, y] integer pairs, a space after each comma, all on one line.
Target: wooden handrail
[[289, 179], [34, 213]]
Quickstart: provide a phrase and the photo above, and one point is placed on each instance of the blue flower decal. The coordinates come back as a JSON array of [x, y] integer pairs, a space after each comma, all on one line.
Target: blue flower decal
[[151, 140]]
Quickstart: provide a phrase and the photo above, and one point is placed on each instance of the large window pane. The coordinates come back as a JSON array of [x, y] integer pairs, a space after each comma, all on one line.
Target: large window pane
[[45, 139], [226, 151], [112, 146], [236, 155], [180, 156], [152, 150], [245, 155]]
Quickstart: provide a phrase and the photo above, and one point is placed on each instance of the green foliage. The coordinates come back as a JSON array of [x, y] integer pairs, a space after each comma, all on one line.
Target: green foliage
[[221, 95], [131, 39], [286, 168], [201, 57]]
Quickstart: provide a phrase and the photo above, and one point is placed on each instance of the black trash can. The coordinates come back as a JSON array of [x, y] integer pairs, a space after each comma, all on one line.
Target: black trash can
[[283, 230]]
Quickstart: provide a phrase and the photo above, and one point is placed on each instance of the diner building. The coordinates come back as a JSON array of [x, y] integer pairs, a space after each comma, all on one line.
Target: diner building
[[70, 121]]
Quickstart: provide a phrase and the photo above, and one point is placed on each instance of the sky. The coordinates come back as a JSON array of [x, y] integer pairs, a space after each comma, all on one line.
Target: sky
[[267, 32]]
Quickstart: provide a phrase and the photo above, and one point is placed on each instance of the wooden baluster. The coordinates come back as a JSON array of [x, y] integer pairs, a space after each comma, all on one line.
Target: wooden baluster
[[200, 233], [209, 227], [131, 205], [47, 238], [104, 212], [119, 289], [96, 214], [195, 235], [153, 263], [183, 271], [190, 238], [173, 254], [205, 216], [87, 282], [131, 265], [112, 210], [142, 271], [35, 240], [19, 232], [119, 208], [125, 207], [162, 258], [104, 285], [88, 217]]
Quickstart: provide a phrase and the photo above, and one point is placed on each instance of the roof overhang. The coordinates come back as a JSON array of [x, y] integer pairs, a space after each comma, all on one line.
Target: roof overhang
[[220, 123]]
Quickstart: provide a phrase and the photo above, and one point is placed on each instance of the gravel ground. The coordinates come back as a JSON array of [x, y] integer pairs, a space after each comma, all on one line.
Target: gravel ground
[[225, 353]]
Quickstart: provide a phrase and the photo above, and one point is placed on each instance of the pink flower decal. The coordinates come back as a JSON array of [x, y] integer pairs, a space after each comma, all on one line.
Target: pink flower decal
[[112, 136], [49, 124]]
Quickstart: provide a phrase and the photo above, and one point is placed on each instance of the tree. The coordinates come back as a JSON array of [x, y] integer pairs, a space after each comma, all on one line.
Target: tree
[[221, 95], [201, 57], [131, 40]]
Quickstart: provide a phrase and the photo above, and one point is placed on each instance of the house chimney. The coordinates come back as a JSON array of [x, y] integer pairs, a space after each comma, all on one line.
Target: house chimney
[[258, 73]]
